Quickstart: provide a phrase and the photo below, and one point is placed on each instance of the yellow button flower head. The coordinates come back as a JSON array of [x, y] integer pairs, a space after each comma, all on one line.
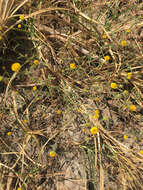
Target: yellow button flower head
[[104, 36], [113, 85], [21, 17], [132, 107], [34, 88], [96, 111], [19, 26], [96, 115], [85, 90], [35, 62], [0, 37], [25, 120], [123, 43], [83, 130], [72, 66], [141, 152], [107, 58], [19, 188], [129, 76], [15, 66], [58, 112], [125, 137], [52, 154], [128, 31], [1, 77], [9, 133], [94, 130]]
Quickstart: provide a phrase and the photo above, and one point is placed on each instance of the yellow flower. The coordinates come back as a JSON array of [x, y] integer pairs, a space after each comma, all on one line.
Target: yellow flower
[[96, 112], [107, 58], [85, 90], [72, 66], [128, 31], [96, 115], [83, 130], [126, 92], [129, 76], [21, 17], [15, 66], [19, 26], [141, 152], [34, 88], [139, 16], [135, 138], [123, 43], [125, 137], [58, 112], [19, 188], [35, 62], [9, 133], [1, 77], [0, 37], [132, 107], [104, 36], [113, 85], [25, 120], [52, 154], [94, 130]]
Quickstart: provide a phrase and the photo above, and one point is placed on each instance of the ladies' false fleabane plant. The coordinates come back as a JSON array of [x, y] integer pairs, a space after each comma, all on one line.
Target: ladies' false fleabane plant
[[107, 58], [132, 107], [34, 88], [52, 154], [19, 188], [9, 133], [72, 66], [1, 78], [113, 85], [125, 137], [129, 76], [19, 26], [123, 43], [35, 61], [96, 115], [94, 130], [21, 17], [58, 112], [15, 67]]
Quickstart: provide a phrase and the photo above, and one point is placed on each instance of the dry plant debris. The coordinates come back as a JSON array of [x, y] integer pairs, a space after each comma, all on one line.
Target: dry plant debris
[[71, 95]]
